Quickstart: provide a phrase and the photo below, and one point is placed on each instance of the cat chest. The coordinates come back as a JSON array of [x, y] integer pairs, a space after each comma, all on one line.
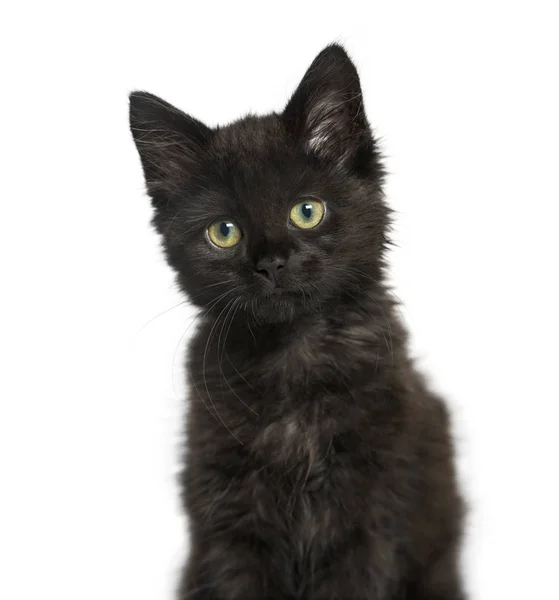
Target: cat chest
[[294, 442], [298, 480]]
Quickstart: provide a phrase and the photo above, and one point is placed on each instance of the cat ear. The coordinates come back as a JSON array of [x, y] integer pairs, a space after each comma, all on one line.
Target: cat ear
[[326, 111], [170, 143]]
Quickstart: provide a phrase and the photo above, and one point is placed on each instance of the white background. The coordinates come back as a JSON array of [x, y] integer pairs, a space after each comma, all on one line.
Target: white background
[[465, 98]]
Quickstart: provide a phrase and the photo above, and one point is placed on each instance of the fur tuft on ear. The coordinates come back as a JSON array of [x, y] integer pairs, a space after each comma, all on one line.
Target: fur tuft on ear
[[326, 112], [169, 142]]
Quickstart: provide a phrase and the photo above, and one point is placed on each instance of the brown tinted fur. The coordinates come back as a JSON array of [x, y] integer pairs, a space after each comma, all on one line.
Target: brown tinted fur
[[318, 466]]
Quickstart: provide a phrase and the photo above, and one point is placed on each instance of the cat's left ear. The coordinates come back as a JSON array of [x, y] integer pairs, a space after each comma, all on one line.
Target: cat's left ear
[[326, 112]]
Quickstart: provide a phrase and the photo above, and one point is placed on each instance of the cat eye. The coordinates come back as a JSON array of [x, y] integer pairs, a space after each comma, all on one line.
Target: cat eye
[[224, 233], [307, 214]]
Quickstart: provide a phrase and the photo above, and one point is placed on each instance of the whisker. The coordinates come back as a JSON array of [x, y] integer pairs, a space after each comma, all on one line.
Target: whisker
[[238, 372], [209, 307], [236, 307], [160, 315], [204, 371]]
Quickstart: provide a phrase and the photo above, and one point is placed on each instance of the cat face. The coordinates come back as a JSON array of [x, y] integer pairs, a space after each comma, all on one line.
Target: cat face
[[276, 215]]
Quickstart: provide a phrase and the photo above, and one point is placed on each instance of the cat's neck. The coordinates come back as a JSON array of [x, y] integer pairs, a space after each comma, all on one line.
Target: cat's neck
[[365, 316], [351, 333]]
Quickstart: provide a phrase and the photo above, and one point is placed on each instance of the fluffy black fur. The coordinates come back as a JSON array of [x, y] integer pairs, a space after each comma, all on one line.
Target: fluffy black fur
[[319, 466]]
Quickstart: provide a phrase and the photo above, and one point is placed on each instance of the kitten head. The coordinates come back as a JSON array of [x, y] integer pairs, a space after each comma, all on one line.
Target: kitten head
[[277, 215]]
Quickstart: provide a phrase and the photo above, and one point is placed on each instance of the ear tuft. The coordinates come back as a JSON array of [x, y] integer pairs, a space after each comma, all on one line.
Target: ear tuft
[[170, 143], [326, 112]]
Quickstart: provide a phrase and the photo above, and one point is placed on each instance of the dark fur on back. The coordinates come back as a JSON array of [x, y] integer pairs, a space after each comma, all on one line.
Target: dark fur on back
[[319, 466]]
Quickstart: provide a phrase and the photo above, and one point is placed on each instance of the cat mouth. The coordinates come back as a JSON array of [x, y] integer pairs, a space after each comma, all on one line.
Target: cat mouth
[[280, 292]]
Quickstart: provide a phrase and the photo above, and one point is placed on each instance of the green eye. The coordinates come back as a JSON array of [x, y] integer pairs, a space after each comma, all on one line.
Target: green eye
[[307, 214], [224, 233]]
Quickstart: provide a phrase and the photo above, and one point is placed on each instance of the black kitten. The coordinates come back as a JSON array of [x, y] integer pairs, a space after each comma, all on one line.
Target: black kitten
[[319, 465]]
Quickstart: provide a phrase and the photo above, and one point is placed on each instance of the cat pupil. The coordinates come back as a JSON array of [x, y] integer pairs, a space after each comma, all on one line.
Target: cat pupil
[[306, 209], [225, 228]]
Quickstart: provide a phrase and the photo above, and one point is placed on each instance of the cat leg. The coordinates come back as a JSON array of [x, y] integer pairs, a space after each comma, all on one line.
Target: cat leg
[[231, 569], [360, 570], [439, 580]]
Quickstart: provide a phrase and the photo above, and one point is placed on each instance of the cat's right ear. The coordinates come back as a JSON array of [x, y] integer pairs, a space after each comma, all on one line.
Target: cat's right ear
[[170, 143]]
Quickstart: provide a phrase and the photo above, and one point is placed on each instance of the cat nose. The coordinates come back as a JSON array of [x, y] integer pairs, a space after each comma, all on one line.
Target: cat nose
[[270, 268]]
